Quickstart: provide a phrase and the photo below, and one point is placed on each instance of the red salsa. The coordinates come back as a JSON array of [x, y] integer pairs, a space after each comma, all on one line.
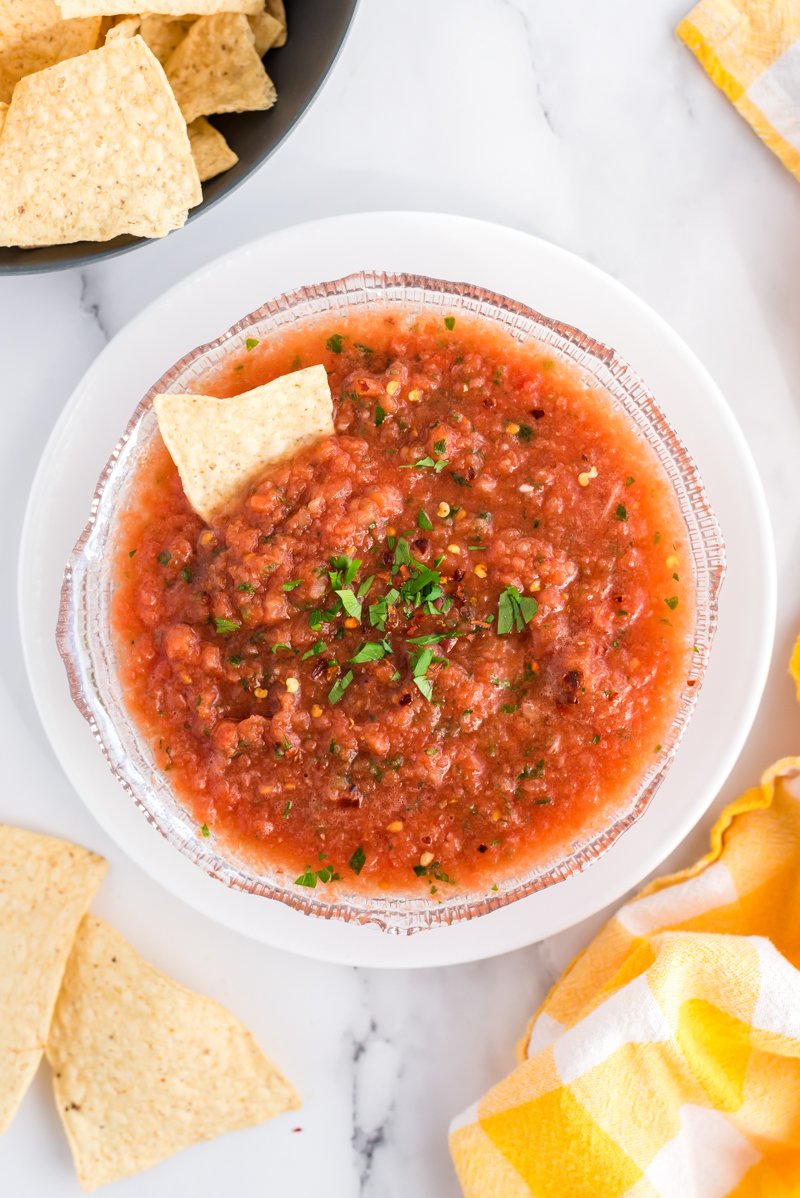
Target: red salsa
[[432, 650]]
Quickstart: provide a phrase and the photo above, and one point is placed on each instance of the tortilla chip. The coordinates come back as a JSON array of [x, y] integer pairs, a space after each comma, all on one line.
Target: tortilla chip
[[216, 69], [124, 27], [266, 30], [212, 154], [277, 9], [220, 446], [163, 34], [34, 35], [143, 1067], [3, 111], [168, 8], [94, 147], [46, 886]]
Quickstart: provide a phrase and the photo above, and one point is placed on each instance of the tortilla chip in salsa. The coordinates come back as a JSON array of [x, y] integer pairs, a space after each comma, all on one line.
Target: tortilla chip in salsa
[[143, 1067], [220, 445], [46, 886]]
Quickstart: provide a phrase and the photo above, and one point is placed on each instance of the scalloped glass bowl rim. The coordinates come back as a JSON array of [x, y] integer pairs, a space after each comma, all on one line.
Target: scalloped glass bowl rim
[[86, 646]]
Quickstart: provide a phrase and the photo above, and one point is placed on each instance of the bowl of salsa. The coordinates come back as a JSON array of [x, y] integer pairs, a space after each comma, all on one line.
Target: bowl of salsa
[[437, 659]]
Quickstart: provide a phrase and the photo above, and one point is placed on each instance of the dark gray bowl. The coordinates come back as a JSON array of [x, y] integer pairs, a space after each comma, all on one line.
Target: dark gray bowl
[[317, 30]]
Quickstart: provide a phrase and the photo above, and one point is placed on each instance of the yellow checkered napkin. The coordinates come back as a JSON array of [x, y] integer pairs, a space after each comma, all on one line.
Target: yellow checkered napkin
[[666, 1062], [751, 50]]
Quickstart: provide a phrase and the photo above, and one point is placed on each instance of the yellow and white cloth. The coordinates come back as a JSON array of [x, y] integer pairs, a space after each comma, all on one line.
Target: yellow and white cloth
[[751, 50], [666, 1061]]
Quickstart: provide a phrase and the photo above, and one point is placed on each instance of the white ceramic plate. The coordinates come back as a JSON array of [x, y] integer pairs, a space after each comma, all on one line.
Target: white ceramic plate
[[549, 280]]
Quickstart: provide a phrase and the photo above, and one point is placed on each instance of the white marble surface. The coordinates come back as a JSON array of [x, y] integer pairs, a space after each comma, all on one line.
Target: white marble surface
[[589, 125]]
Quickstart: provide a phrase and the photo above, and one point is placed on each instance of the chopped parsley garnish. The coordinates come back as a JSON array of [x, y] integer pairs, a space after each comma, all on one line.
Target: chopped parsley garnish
[[315, 650], [358, 860], [224, 627], [366, 587], [672, 602], [380, 415], [422, 521], [204, 831], [287, 809], [420, 663], [164, 557], [335, 343], [525, 432], [280, 645], [251, 342], [379, 610], [132, 553], [339, 687], [343, 570], [372, 651], [310, 878], [363, 349], [439, 447], [187, 576], [622, 512], [459, 478], [427, 463], [514, 611], [247, 587], [450, 323], [434, 870], [235, 661], [350, 603], [289, 586], [595, 739]]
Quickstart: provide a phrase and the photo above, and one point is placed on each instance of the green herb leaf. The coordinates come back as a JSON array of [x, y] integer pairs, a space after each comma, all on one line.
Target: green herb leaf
[[204, 831], [335, 343], [287, 809], [439, 447], [450, 323], [358, 860], [525, 433], [251, 343], [339, 687], [423, 521], [247, 587], [380, 415], [224, 627], [371, 651], [514, 611], [280, 645], [289, 586], [315, 650], [365, 587], [622, 512], [350, 603], [459, 478], [164, 557], [672, 602]]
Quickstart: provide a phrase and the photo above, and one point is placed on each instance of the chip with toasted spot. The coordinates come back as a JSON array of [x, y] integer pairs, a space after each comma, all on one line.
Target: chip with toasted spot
[[143, 1067], [216, 69], [169, 8], [221, 446], [267, 31], [212, 154], [46, 886], [163, 34], [34, 35], [108, 117]]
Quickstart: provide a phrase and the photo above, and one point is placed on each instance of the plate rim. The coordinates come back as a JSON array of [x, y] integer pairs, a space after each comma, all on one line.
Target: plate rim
[[688, 360]]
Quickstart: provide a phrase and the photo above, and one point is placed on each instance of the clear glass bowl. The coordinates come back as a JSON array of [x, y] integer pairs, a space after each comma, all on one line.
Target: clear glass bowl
[[84, 628]]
